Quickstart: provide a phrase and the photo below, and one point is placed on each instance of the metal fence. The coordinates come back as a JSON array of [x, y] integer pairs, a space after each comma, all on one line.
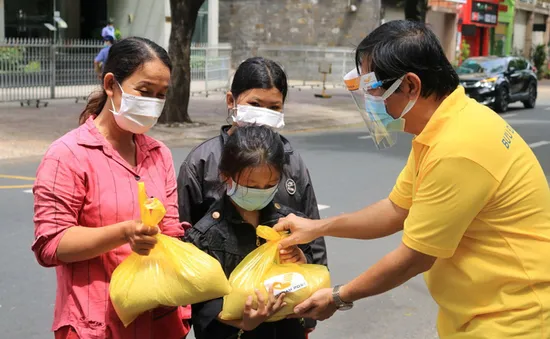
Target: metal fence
[[301, 63], [36, 69], [32, 70], [210, 68]]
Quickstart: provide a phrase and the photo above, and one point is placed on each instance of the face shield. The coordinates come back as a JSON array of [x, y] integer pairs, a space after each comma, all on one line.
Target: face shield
[[382, 127]]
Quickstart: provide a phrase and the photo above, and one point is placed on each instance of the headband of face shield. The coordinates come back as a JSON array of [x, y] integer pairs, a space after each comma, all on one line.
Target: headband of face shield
[[382, 126]]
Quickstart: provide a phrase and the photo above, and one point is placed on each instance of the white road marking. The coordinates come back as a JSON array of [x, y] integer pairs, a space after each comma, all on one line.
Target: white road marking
[[528, 122], [547, 108], [27, 191], [539, 143], [508, 115], [365, 137]]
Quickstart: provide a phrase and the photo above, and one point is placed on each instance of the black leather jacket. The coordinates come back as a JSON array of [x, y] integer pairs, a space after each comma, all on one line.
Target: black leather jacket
[[223, 234], [199, 186]]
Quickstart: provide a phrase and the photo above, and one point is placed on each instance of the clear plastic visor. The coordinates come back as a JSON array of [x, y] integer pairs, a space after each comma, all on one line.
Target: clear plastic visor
[[373, 108]]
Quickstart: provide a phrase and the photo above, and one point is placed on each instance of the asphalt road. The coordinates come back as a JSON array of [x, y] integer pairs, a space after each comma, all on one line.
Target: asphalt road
[[348, 173]]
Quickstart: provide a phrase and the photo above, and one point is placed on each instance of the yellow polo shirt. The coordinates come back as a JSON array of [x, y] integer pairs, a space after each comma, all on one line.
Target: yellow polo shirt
[[479, 201]]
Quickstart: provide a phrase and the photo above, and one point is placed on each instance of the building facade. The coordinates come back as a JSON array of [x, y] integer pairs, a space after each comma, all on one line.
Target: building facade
[[477, 20], [28, 18], [502, 34], [489, 27], [531, 26], [442, 17], [86, 18], [249, 24]]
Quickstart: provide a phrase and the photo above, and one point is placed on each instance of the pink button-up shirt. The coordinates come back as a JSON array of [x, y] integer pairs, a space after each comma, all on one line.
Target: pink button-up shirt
[[83, 181]]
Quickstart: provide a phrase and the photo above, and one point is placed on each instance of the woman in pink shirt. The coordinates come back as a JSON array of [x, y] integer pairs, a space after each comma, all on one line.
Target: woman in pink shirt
[[86, 210]]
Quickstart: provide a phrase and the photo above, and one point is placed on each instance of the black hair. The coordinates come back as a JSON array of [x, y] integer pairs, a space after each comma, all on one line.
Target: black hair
[[261, 73], [401, 46], [125, 57], [251, 146]]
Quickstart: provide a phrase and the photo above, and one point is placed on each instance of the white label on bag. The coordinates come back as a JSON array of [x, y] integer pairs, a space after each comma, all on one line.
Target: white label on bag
[[286, 283]]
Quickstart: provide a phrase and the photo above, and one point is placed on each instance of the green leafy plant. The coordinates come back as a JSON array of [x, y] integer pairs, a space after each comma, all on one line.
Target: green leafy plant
[[539, 59], [499, 48], [464, 53], [118, 35], [32, 67], [10, 58], [198, 62]]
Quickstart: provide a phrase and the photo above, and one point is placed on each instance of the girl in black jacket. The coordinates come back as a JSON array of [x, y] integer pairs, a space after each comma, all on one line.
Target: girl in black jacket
[[251, 165]]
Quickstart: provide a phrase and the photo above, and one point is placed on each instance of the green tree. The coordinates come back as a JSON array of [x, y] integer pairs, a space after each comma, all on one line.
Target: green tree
[[464, 51], [184, 17], [539, 59]]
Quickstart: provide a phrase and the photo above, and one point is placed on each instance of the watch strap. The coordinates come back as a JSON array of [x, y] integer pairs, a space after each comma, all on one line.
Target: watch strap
[[340, 304]]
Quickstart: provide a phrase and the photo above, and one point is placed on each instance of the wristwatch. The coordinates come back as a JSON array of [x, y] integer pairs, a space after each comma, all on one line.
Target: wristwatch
[[340, 304]]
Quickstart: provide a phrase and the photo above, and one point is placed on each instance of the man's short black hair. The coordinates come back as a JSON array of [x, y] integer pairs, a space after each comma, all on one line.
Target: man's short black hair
[[398, 47]]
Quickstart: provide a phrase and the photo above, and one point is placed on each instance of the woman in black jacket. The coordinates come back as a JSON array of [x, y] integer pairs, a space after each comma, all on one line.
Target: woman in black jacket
[[251, 168], [258, 93]]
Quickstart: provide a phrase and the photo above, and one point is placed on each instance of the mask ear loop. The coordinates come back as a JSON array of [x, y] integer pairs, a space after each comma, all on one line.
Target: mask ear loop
[[113, 110], [231, 188], [231, 112], [408, 107]]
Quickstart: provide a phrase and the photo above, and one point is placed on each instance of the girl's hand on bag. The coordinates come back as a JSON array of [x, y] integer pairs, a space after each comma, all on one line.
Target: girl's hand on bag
[[140, 237], [252, 318], [292, 255]]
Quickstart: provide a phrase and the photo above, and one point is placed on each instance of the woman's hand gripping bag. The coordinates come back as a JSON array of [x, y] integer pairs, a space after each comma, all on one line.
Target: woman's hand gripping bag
[[261, 269], [175, 273]]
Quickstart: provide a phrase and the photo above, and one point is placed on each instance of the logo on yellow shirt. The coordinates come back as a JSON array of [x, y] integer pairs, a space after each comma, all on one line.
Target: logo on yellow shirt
[[508, 136]]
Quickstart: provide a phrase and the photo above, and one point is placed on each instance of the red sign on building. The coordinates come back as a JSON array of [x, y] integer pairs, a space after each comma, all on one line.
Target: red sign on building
[[476, 19]]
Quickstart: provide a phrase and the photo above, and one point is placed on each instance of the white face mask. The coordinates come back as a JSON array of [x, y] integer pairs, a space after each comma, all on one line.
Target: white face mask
[[251, 115], [137, 114]]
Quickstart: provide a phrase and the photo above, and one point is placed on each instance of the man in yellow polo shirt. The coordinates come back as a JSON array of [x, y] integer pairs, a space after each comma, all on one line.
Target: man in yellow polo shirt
[[472, 201]]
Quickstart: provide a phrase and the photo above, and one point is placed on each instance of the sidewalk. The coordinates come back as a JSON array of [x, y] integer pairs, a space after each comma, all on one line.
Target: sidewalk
[[28, 131]]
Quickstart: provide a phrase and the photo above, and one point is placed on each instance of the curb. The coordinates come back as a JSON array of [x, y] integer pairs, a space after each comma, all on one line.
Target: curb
[[312, 126]]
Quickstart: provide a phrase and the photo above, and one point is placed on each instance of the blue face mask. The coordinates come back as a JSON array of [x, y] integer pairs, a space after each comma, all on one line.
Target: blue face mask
[[377, 112], [251, 199], [376, 109]]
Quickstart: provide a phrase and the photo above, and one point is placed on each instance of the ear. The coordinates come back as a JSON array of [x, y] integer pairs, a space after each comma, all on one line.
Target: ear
[[229, 100], [413, 85], [109, 84], [225, 179]]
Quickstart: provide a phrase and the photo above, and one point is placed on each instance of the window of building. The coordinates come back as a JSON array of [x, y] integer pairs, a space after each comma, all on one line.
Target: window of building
[[26, 18], [201, 26]]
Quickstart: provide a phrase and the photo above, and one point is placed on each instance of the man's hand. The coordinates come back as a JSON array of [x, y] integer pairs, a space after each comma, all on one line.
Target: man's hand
[[320, 306], [302, 231]]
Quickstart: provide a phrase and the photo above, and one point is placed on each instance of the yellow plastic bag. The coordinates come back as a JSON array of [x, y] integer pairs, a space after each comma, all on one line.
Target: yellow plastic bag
[[261, 269], [173, 274]]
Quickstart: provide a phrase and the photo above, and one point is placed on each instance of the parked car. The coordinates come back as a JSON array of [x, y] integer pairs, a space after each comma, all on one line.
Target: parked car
[[499, 81]]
